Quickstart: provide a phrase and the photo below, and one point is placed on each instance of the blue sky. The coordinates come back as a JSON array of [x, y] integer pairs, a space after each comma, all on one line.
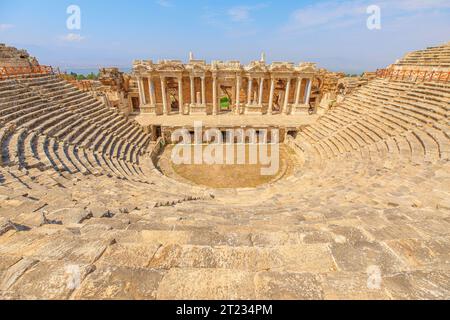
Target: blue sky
[[331, 33]]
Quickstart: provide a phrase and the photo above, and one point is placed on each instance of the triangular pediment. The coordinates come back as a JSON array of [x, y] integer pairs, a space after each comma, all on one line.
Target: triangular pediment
[[256, 66], [282, 67], [197, 67], [307, 67], [170, 66]]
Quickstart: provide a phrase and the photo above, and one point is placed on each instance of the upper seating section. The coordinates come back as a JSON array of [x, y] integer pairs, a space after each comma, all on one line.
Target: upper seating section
[[12, 57], [402, 114], [431, 57], [46, 122], [402, 119]]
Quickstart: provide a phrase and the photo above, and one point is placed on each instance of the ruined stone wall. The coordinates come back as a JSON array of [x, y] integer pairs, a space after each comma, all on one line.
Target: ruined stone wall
[[12, 57]]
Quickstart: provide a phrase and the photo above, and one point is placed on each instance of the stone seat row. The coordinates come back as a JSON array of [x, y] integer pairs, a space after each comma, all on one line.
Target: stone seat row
[[383, 125], [76, 104], [42, 130]]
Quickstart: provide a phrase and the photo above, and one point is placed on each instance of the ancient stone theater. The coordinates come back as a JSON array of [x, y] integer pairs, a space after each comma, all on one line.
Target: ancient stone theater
[[93, 205]]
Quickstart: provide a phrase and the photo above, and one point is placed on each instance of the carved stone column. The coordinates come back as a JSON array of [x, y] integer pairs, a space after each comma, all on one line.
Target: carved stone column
[[214, 95], [192, 90], [203, 91], [308, 92], [298, 91], [261, 88], [141, 91], [249, 93], [238, 95], [151, 87], [272, 92], [180, 95], [164, 95], [286, 98]]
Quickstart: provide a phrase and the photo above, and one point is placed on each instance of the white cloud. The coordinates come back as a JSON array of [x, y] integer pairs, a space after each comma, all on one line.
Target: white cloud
[[415, 5], [332, 14], [73, 37], [164, 3], [242, 13], [6, 26], [232, 27], [239, 13], [325, 14]]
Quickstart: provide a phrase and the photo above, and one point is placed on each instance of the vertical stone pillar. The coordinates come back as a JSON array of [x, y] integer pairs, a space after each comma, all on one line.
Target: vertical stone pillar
[[164, 95], [272, 92], [286, 98], [192, 90], [144, 98], [238, 95], [261, 88], [298, 91], [203, 91], [151, 88], [214, 95], [180, 95], [308, 92], [249, 93], [141, 91]]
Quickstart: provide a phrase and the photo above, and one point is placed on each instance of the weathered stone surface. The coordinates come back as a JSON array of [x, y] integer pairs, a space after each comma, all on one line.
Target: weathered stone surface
[[70, 215], [301, 258], [351, 286], [419, 285], [57, 279], [130, 255], [115, 282], [14, 272], [422, 254], [207, 284], [359, 256], [284, 285]]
